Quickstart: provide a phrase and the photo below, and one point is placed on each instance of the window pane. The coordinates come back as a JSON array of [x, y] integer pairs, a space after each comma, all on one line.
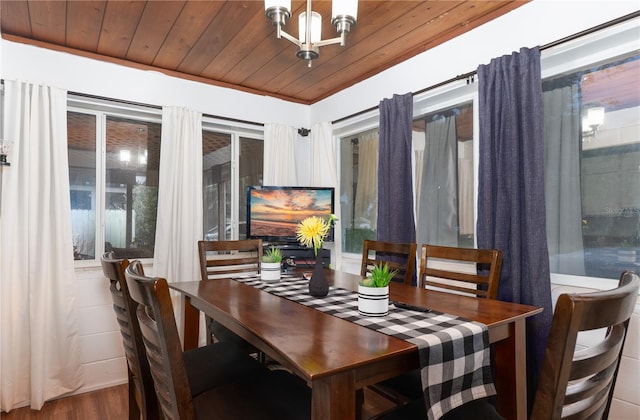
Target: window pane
[[81, 132], [443, 151], [216, 183], [358, 189], [592, 137], [131, 199], [251, 169]]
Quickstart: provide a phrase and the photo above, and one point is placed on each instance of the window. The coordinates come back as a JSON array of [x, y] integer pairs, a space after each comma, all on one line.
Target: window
[[126, 202], [81, 137], [444, 181], [358, 189], [593, 168], [224, 190]]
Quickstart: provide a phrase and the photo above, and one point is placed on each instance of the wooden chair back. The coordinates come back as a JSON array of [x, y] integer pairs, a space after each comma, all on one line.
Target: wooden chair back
[[142, 397], [228, 258], [580, 383], [162, 343], [398, 256], [481, 282]]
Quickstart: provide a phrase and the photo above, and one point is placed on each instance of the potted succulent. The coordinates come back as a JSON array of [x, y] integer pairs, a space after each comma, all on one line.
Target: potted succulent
[[271, 264], [373, 291]]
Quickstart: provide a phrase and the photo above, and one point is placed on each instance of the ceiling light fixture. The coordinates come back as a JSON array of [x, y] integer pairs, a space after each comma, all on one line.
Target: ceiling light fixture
[[593, 119], [343, 16]]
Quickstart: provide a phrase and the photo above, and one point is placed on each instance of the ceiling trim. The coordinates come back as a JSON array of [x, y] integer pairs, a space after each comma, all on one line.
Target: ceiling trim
[[139, 66]]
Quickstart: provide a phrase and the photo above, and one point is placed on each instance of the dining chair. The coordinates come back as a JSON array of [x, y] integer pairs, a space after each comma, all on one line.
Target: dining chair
[[228, 384], [227, 259], [580, 382], [575, 382], [142, 397], [399, 256], [481, 279]]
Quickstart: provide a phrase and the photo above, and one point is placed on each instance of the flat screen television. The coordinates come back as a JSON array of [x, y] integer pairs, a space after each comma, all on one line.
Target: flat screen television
[[273, 213]]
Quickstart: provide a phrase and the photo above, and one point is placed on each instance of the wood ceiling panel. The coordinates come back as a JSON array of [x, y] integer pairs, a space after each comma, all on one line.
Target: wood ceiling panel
[[84, 24], [156, 22], [189, 27], [230, 20], [241, 47], [613, 87], [120, 23], [232, 44], [48, 20], [274, 52], [20, 20]]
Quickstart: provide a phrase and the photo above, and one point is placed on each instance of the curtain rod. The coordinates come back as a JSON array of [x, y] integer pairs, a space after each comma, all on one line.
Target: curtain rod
[[471, 74], [122, 101]]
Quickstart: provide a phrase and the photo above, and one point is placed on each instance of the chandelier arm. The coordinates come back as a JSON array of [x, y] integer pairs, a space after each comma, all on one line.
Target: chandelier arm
[[289, 38], [339, 40]]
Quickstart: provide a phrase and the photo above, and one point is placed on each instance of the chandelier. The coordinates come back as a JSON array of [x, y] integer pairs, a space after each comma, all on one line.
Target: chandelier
[[591, 121], [343, 16]]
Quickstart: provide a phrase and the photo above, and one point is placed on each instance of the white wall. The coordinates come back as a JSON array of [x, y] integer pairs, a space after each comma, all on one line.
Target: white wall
[[535, 23]]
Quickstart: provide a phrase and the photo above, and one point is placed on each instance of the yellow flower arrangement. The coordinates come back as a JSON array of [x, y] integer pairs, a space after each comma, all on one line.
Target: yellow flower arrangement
[[313, 230]]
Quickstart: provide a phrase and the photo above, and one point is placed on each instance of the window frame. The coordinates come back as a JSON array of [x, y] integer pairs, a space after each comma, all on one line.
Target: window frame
[[433, 100], [585, 51], [102, 109], [236, 131]]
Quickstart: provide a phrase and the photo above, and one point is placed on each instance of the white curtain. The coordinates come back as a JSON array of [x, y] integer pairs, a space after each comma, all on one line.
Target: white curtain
[[39, 344], [179, 224], [324, 172], [324, 156], [366, 208], [280, 155]]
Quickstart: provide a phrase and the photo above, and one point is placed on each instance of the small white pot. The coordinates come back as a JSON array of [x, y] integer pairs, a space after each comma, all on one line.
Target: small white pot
[[373, 301], [270, 271]]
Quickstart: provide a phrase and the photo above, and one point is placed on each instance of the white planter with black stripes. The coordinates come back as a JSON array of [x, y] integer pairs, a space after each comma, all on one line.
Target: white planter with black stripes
[[373, 301]]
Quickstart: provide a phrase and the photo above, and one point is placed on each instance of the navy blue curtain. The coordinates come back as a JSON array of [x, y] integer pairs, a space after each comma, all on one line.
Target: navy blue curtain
[[395, 185], [511, 199]]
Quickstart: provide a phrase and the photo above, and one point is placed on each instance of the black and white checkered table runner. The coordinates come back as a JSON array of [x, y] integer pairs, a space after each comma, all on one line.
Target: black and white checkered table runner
[[452, 374]]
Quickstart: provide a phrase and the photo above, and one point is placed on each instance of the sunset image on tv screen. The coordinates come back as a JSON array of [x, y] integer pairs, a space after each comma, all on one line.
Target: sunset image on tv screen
[[277, 212]]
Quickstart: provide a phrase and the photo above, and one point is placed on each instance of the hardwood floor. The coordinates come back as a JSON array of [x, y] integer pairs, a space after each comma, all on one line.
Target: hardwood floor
[[112, 404], [104, 404]]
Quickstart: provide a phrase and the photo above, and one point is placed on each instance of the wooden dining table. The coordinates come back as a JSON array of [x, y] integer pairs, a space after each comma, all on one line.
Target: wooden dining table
[[337, 357]]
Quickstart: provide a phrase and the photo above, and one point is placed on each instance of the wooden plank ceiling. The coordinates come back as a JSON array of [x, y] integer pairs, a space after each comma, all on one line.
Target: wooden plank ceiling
[[232, 43]]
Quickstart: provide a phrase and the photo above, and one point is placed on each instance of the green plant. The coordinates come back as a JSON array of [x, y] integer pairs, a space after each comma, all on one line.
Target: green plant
[[381, 276], [272, 255]]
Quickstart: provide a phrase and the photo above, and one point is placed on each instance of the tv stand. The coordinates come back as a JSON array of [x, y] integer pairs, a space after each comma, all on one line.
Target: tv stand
[[297, 256]]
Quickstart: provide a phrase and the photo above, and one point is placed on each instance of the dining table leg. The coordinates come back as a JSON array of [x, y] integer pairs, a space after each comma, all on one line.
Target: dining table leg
[[334, 397], [191, 325], [510, 358]]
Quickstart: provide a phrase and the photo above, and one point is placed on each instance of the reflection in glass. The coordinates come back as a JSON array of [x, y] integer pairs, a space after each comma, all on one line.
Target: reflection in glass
[[443, 149], [131, 197], [592, 178], [81, 134]]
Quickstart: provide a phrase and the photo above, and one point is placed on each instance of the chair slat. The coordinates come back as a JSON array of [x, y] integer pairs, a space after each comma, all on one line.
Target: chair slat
[[398, 256], [482, 282]]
